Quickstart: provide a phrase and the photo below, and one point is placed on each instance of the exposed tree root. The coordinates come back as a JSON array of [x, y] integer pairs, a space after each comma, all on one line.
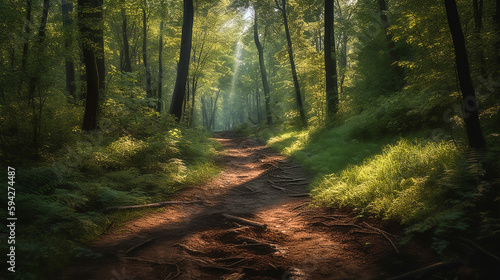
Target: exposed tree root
[[137, 246], [244, 221], [424, 273]]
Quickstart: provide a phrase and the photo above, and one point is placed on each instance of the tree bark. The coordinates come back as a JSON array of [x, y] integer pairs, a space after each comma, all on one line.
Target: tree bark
[[263, 74], [478, 25], [36, 104], [27, 31], [298, 95], [470, 103], [332, 93], [496, 19], [160, 70], [183, 66], [67, 7], [388, 37], [127, 67], [149, 90], [90, 13]]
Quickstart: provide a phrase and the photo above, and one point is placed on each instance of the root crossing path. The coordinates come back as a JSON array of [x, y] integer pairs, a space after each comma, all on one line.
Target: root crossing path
[[253, 221]]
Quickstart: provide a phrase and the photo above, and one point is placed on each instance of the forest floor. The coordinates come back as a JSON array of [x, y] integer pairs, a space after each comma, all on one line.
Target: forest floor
[[281, 236]]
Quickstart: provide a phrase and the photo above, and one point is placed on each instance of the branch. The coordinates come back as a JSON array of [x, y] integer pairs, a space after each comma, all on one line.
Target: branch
[[279, 7], [244, 221], [158, 204], [423, 273]]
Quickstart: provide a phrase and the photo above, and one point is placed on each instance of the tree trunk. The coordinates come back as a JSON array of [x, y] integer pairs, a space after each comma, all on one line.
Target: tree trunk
[[263, 74], [36, 104], [183, 66], [27, 31], [470, 103], [478, 25], [194, 87], [127, 67], [149, 90], [298, 96], [496, 19], [67, 7], [160, 70], [90, 13], [343, 61], [212, 114], [388, 37], [332, 93]]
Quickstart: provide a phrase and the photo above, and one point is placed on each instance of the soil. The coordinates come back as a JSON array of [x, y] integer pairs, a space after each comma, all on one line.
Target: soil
[[290, 239]]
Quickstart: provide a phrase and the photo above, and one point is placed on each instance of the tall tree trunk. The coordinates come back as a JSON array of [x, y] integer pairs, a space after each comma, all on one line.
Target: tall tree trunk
[[127, 67], [496, 18], [257, 99], [183, 66], [90, 13], [388, 37], [160, 70], [263, 74], [204, 116], [298, 96], [478, 25], [36, 104], [194, 87], [67, 7], [470, 103], [149, 90], [332, 93], [100, 48], [27, 31], [343, 61], [214, 109]]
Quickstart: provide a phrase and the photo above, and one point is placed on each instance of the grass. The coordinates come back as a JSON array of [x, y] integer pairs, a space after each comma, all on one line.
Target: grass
[[61, 207], [325, 151], [401, 183]]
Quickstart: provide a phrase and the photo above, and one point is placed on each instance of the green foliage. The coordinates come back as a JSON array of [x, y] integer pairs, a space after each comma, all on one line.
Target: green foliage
[[400, 183], [324, 151]]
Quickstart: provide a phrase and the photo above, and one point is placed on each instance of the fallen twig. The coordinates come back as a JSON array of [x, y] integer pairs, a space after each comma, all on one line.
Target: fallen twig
[[385, 235], [148, 261], [188, 249], [424, 273], [299, 206], [157, 204], [138, 245], [276, 187], [299, 194], [378, 230], [244, 221], [291, 180]]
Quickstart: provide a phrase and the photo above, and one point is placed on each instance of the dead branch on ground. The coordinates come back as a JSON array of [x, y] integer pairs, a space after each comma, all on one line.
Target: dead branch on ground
[[244, 221]]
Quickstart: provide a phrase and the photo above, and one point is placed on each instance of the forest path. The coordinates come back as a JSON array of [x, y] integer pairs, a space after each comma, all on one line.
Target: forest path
[[200, 240]]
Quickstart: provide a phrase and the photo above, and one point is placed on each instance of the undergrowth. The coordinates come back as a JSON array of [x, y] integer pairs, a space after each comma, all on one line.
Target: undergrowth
[[136, 157], [436, 189]]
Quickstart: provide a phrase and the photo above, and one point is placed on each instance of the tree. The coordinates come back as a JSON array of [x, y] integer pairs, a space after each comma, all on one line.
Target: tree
[[160, 70], [388, 37], [90, 13], [332, 93], [149, 90], [127, 64], [470, 103], [263, 73], [298, 95], [183, 66], [67, 8]]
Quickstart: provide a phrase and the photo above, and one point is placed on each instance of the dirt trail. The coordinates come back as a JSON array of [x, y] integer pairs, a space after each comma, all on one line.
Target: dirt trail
[[199, 240]]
